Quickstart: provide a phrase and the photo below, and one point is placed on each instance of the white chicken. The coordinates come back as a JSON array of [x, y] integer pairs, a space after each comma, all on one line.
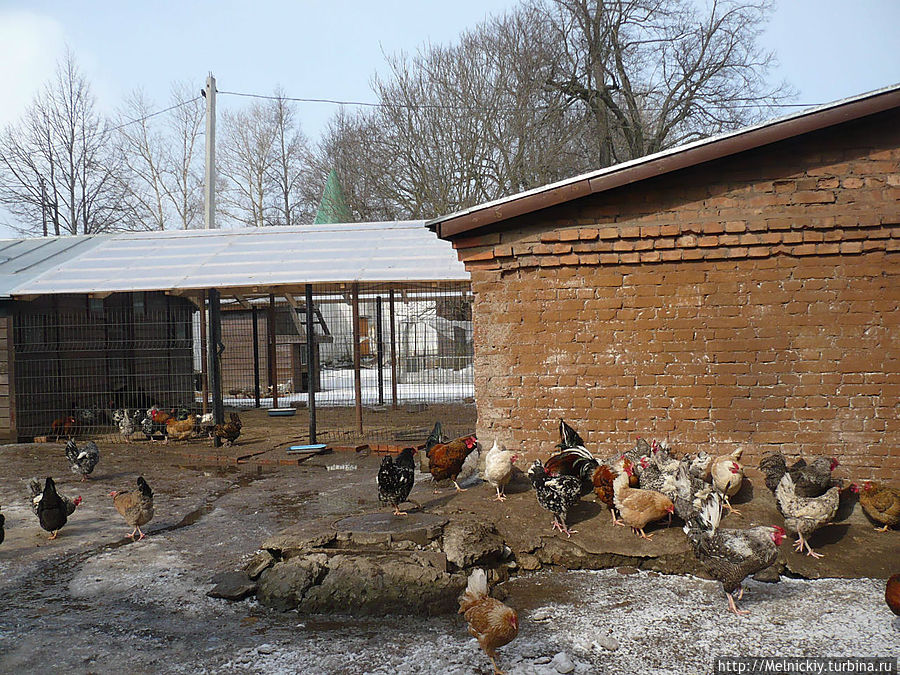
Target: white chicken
[[498, 466], [727, 476]]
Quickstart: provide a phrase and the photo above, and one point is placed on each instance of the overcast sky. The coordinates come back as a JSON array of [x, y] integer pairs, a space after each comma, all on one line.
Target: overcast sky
[[828, 49]]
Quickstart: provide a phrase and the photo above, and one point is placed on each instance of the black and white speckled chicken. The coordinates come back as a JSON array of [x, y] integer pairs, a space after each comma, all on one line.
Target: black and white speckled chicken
[[84, 459], [687, 492], [731, 555], [805, 515], [575, 461], [657, 468], [810, 480], [128, 421], [395, 479], [557, 494]]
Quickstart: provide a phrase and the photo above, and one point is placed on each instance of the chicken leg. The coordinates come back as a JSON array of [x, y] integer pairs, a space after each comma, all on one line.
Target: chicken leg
[[500, 496], [137, 530], [733, 607], [459, 489], [801, 543], [561, 526]]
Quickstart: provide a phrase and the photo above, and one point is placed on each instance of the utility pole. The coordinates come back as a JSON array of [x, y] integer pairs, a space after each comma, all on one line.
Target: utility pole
[[210, 207]]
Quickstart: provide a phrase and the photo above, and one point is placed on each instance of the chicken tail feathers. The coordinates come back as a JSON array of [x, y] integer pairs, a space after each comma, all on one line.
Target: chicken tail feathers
[[568, 437], [434, 437], [476, 590], [707, 520], [144, 488]]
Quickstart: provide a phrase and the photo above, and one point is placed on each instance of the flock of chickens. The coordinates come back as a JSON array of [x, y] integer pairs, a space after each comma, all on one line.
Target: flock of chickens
[[136, 506], [643, 485], [158, 424]]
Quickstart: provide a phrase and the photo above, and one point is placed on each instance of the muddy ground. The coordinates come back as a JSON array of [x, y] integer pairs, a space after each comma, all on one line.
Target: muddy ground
[[93, 600]]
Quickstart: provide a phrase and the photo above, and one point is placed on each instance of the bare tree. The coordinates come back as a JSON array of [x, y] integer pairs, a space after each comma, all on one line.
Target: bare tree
[[246, 160], [186, 128], [657, 73], [290, 157], [161, 154], [58, 160], [549, 90]]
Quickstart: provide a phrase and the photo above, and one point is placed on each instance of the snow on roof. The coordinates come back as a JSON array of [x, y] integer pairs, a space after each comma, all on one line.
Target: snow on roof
[[241, 258]]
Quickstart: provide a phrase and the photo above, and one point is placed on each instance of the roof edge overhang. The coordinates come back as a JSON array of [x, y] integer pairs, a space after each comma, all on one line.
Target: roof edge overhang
[[666, 161]]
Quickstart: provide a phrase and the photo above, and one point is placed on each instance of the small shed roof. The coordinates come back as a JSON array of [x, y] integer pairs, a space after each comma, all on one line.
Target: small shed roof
[[673, 159], [242, 258]]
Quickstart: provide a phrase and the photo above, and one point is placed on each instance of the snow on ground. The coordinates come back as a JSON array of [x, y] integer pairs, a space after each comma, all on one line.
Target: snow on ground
[[653, 624], [428, 386]]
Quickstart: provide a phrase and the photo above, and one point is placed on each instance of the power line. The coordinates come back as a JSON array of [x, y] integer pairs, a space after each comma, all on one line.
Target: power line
[[437, 106]]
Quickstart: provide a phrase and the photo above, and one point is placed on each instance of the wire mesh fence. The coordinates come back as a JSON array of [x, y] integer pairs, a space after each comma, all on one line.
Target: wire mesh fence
[[78, 361], [415, 346]]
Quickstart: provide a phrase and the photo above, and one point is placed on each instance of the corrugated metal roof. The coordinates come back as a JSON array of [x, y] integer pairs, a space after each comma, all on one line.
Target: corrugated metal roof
[[244, 258]]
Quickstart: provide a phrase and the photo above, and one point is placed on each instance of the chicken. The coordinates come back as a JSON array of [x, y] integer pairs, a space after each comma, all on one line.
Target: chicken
[[687, 492], [731, 555], [892, 594], [577, 462], [128, 422], [84, 460], [395, 479], [568, 437], [153, 424], [594, 475], [727, 476], [135, 506], [52, 510], [491, 622], [810, 480], [445, 460], [63, 426], [557, 494], [641, 449], [498, 467], [880, 503], [805, 515], [602, 481], [657, 468], [638, 507], [206, 424], [228, 433], [180, 429]]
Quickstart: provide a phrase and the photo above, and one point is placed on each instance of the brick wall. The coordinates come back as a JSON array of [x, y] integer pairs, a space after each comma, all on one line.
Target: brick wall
[[753, 301]]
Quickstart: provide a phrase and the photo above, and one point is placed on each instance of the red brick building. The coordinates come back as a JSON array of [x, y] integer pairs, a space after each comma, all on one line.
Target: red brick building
[[743, 291]]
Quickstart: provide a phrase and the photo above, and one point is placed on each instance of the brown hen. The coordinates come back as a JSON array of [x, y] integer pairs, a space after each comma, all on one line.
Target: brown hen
[[880, 503], [491, 622]]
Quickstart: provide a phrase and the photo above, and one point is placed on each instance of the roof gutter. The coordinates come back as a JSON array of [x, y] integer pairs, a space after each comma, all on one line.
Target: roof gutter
[[664, 162]]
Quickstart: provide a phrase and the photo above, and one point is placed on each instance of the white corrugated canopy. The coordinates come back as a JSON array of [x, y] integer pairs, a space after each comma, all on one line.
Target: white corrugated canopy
[[257, 257]]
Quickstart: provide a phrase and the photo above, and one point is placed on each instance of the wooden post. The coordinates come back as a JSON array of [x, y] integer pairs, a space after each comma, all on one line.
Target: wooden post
[[393, 352], [357, 366], [272, 358], [204, 372], [312, 370], [255, 315]]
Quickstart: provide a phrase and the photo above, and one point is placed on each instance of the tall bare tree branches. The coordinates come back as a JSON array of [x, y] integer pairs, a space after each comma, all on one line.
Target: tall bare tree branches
[[58, 161]]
